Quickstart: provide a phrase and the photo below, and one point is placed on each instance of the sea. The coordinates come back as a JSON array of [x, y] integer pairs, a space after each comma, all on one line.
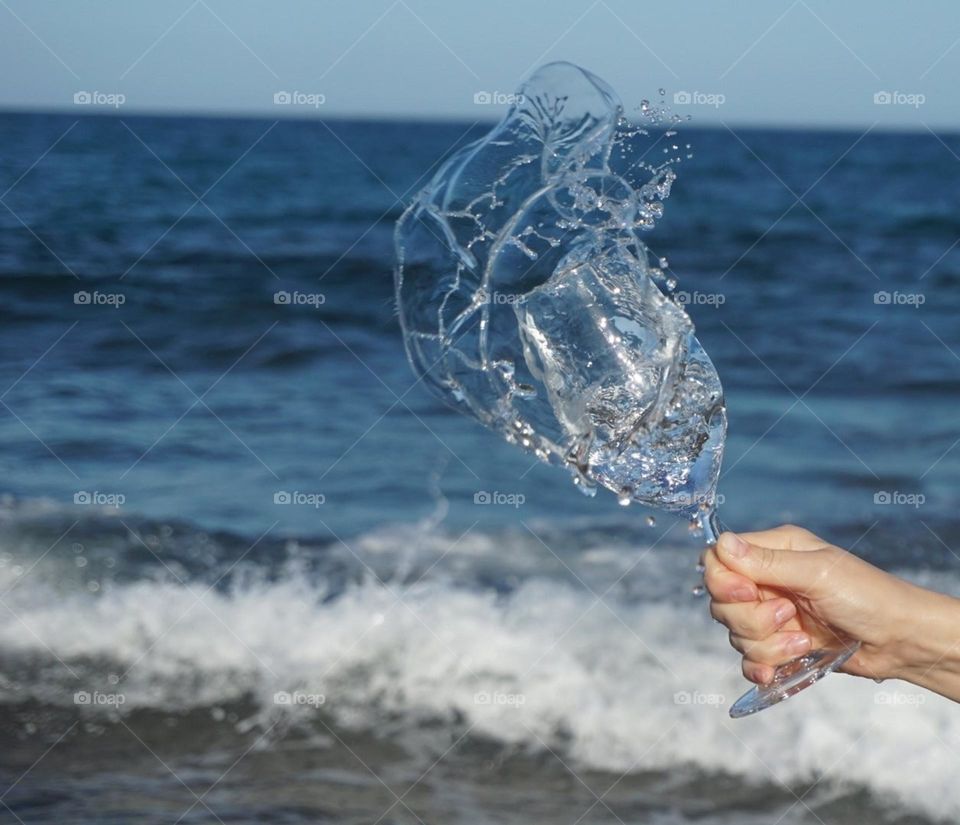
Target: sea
[[252, 571]]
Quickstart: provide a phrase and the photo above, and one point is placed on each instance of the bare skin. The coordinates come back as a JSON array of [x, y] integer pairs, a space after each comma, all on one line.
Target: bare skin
[[783, 592]]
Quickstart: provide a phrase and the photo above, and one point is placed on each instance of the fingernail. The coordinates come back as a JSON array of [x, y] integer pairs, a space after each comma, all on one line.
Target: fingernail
[[735, 545], [798, 645], [784, 612], [744, 594]]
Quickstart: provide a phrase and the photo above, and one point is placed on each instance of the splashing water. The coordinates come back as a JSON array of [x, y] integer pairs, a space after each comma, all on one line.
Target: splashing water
[[528, 301]]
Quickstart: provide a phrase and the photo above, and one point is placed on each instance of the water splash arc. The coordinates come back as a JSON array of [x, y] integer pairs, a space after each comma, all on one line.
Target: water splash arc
[[528, 300]]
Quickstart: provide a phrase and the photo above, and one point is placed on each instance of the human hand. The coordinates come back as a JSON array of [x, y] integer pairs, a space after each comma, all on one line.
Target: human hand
[[784, 592]]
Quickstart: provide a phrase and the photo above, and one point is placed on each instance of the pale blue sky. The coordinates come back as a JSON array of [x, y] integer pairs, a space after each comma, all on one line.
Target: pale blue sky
[[803, 62]]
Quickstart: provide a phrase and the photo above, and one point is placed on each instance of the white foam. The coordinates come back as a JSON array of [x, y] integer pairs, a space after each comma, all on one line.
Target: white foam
[[602, 682]]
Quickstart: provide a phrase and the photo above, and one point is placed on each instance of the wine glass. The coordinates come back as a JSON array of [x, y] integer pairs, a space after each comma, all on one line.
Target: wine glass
[[529, 302]]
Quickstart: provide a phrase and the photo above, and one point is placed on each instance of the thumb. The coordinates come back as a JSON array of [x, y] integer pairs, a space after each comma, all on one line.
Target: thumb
[[800, 571]]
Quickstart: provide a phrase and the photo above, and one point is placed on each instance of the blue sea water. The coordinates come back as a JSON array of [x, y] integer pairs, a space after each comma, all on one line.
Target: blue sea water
[[212, 495]]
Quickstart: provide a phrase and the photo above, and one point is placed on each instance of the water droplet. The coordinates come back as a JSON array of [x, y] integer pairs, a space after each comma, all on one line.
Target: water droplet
[[664, 263], [698, 590], [584, 484], [625, 496], [651, 521], [701, 567]]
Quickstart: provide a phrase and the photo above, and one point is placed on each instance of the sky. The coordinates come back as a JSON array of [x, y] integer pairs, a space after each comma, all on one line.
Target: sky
[[744, 62]]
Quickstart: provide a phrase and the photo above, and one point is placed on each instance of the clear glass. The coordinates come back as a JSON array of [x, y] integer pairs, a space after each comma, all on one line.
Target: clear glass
[[528, 301]]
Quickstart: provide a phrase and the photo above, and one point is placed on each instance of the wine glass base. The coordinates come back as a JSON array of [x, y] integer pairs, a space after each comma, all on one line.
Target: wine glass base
[[792, 677]]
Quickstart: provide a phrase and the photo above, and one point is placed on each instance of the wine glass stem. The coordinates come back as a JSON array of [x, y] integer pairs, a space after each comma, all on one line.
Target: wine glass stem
[[710, 526]]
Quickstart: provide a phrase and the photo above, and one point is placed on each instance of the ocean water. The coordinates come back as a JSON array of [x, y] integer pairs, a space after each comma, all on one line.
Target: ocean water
[[250, 570]]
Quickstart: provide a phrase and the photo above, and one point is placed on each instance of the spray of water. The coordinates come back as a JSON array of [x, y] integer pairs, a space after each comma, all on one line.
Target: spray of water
[[528, 300]]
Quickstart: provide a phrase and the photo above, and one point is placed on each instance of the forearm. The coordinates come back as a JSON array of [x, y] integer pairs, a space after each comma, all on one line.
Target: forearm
[[928, 650]]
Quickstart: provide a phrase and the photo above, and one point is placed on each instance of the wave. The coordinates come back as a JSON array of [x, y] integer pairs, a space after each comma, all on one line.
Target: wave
[[606, 665]]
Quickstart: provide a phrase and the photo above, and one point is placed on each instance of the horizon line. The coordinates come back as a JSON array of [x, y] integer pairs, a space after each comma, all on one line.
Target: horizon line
[[428, 119]]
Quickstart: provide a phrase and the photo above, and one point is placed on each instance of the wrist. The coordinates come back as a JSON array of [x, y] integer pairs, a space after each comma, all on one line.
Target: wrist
[[924, 647]]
